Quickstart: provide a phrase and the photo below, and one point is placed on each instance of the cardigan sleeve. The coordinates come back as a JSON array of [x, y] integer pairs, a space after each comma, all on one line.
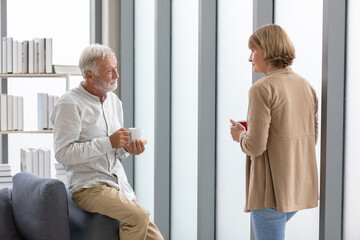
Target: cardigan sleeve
[[254, 141], [316, 118]]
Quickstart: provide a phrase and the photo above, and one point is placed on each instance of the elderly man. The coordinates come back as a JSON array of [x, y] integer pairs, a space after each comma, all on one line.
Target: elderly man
[[89, 140]]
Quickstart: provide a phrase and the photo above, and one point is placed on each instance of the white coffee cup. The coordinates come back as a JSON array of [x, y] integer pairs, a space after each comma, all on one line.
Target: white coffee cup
[[136, 133]]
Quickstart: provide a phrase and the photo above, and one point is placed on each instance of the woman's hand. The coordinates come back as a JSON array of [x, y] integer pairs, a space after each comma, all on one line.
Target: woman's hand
[[236, 129]]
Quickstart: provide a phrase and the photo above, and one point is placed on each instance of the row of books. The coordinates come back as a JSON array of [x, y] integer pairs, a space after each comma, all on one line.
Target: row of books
[[36, 161], [46, 103], [29, 56], [11, 112], [5, 176]]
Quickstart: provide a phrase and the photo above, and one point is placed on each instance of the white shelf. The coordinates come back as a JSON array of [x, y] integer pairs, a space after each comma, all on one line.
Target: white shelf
[[27, 131], [41, 75], [38, 75]]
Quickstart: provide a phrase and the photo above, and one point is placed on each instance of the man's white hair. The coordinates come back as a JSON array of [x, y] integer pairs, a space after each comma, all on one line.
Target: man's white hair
[[91, 54]]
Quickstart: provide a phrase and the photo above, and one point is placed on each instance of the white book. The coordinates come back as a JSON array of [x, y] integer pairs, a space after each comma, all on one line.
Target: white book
[[51, 100], [15, 113], [5, 167], [4, 55], [48, 55], [36, 55], [3, 112], [41, 163], [45, 154], [71, 69], [20, 112], [6, 179], [43, 111], [26, 160], [35, 161], [9, 50], [31, 50], [5, 173], [24, 56], [10, 115], [41, 55], [15, 56], [1, 56], [19, 57]]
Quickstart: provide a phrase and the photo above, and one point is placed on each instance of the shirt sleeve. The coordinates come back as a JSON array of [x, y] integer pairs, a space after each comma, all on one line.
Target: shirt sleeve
[[121, 153], [67, 146], [254, 141]]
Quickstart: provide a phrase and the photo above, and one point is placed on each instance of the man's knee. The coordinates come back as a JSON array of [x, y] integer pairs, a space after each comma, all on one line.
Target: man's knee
[[141, 217]]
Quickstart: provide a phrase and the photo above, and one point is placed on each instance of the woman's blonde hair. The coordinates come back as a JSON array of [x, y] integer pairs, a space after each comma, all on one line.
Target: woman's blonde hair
[[276, 44]]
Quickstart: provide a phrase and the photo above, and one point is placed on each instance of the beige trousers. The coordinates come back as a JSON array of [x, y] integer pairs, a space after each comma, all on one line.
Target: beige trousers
[[136, 224]]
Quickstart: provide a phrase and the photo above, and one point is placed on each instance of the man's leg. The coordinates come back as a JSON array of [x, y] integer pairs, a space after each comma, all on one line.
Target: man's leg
[[153, 232], [108, 201]]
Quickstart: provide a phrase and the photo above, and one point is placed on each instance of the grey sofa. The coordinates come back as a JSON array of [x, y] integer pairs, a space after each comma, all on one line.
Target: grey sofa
[[41, 209]]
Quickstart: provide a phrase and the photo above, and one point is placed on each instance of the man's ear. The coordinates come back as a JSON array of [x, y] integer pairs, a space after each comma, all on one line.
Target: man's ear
[[89, 75]]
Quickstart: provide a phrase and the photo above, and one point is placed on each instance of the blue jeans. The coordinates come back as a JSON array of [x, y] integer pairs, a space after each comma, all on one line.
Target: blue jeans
[[269, 224]]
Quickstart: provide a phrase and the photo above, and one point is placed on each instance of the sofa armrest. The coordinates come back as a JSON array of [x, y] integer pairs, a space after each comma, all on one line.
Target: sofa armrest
[[7, 224], [40, 207]]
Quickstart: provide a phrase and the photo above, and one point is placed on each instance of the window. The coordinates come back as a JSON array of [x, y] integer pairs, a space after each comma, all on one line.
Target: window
[[234, 79], [145, 100], [352, 128], [184, 120], [303, 21]]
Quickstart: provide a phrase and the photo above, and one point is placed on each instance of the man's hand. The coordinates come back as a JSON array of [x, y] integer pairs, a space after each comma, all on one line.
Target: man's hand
[[236, 129], [136, 147], [120, 138]]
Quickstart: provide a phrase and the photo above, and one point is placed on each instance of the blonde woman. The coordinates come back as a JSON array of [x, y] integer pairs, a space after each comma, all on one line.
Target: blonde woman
[[282, 129]]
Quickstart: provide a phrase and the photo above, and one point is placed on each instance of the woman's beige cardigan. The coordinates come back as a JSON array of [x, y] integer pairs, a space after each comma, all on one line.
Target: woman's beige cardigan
[[281, 169]]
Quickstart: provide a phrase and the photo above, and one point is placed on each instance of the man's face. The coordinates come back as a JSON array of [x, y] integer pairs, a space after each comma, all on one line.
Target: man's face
[[106, 79]]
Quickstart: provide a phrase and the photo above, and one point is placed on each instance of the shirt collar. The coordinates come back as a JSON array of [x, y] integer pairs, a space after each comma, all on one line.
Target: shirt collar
[[96, 98]]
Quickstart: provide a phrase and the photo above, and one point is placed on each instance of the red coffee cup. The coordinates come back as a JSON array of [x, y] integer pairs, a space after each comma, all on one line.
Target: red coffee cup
[[244, 123]]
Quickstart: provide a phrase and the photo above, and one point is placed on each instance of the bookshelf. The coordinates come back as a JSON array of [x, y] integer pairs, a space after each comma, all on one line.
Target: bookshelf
[[28, 75], [37, 75], [41, 75], [27, 131]]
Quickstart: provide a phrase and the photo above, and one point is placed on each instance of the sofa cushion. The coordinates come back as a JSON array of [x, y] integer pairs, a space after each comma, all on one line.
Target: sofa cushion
[[7, 224], [91, 226], [40, 207]]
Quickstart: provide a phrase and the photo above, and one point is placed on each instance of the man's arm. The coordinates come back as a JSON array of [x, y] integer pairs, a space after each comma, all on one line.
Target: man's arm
[[68, 149]]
